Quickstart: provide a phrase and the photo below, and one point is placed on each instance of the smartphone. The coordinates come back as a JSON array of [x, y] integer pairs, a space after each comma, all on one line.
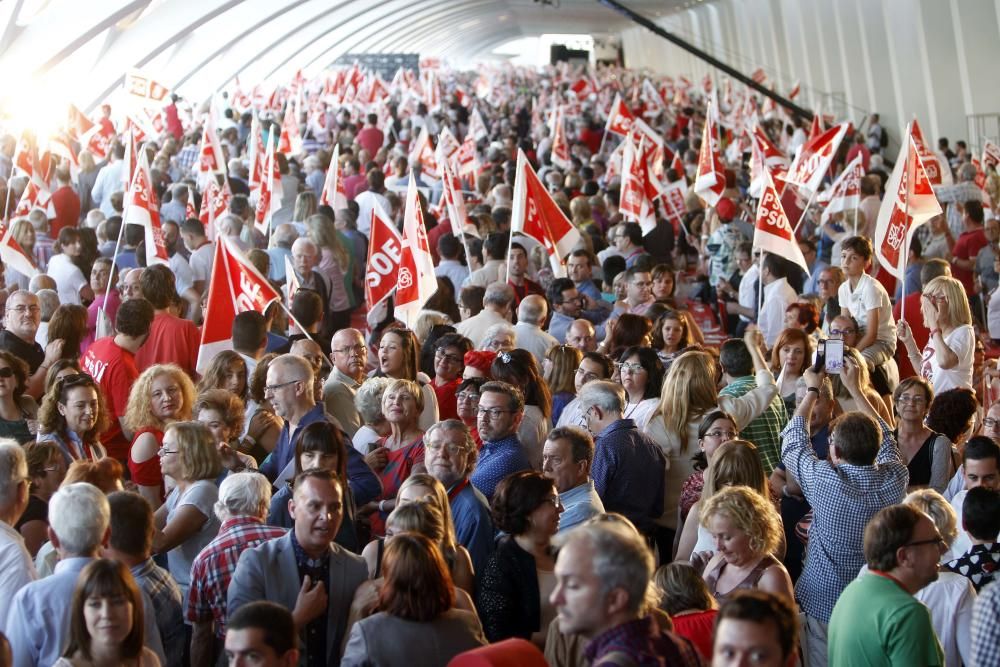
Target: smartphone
[[833, 354]]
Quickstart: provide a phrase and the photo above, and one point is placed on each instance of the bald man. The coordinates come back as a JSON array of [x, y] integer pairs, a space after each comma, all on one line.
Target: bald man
[[582, 335], [310, 350], [531, 316]]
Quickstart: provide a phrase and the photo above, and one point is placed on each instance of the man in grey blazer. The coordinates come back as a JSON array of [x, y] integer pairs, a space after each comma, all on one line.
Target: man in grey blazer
[[304, 571]]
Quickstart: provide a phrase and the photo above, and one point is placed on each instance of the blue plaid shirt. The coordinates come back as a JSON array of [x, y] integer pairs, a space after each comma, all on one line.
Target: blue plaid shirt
[[986, 627], [165, 595], [498, 459], [844, 497], [629, 471]]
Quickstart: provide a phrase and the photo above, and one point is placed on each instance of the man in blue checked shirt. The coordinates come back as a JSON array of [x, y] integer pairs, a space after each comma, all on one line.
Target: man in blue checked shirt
[[501, 408], [860, 477]]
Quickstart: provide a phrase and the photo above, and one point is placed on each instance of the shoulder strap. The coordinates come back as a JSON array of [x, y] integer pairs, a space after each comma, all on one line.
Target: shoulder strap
[[616, 659]]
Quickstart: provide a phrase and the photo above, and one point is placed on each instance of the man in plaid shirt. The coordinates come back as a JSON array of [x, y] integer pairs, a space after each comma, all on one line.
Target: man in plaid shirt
[[243, 503], [846, 491], [986, 627]]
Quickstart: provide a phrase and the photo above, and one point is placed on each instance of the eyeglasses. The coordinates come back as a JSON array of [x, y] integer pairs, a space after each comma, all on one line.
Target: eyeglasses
[[728, 435], [467, 396], [275, 387], [989, 422], [358, 349], [441, 355], [825, 281], [163, 451], [492, 413], [842, 332], [938, 540], [6, 372], [21, 310], [451, 448], [631, 367], [554, 500], [911, 400]]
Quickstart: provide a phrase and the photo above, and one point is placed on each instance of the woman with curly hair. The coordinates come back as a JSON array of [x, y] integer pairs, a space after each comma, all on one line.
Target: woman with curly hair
[[73, 414], [510, 591], [17, 409], [222, 412], [519, 368], [162, 394], [747, 530]]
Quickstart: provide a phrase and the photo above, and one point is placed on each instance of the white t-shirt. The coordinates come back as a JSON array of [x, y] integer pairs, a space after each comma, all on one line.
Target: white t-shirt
[[201, 262], [993, 314], [69, 278], [183, 275], [962, 342], [778, 295], [867, 296], [747, 294]]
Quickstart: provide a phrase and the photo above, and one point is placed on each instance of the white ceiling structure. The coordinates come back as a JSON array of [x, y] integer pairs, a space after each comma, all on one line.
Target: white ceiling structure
[[78, 50]]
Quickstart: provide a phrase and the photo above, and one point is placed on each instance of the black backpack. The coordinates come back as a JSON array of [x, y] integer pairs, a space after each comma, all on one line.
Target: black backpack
[[883, 139]]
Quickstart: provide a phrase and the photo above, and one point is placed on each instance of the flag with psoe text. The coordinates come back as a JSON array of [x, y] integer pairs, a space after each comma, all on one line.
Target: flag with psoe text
[[710, 180], [845, 193], [908, 204], [143, 208], [773, 232], [620, 118], [267, 201], [214, 204], [385, 249], [417, 282], [814, 159], [235, 286]]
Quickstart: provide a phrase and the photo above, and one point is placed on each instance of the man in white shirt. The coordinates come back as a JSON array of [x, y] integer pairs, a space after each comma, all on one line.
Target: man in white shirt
[[980, 467], [531, 315], [495, 250], [497, 305], [202, 253], [778, 295], [864, 298], [16, 568], [110, 179], [369, 199]]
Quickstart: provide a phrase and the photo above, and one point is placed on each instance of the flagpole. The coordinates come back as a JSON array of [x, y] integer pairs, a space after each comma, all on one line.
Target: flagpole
[[295, 321], [855, 220], [760, 286], [114, 256], [804, 211]]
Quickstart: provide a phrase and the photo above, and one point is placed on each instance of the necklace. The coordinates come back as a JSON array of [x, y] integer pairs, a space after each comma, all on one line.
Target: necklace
[[630, 409]]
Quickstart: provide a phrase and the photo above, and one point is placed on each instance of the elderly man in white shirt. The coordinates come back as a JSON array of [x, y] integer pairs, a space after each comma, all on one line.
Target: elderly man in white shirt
[[531, 315], [16, 568], [778, 295]]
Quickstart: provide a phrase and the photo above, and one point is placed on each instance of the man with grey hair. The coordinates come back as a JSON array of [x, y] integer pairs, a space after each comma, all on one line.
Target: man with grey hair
[[531, 316], [175, 210], [244, 498], [348, 355], [41, 281], [94, 218], [282, 238], [629, 468], [603, 573], [22, 317], [231, 226], [16, 568], [497, 304], [305, 259], [315, 176], [48, 301], [450, 456], [38, 619], [501, 337], [566, 459]]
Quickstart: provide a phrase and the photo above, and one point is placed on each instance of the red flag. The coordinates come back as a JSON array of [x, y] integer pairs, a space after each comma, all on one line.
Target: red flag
[[77, 124], [211, 159], [142, 208], [466, 160], [451, 197], [235, 287], [291, 138], [635, 204], [130, 159], [773, 232], [385, 250], [620, 118], [764, 156], [477, 128], [909, 203], [214, 204], [447, 146], [991, 154], [582, 88], [794, 92], [190, 212], [938, 171], [334, 195], [560, 146], [267, 201], [534, 214], [673, 204], [13, 255], [710, 181], [845, 193], [423, 153], [417, 282], [256, 154], [815, 129], [144, 90], [815, 158], [759, 76]]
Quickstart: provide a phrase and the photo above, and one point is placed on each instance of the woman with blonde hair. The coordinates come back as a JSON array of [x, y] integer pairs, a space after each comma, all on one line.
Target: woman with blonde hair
[[947, 359], [398, 357], [186, 522], [690, 391], [74, 415], [162, 394], [736, 463], [336, 264], [559, 372], [24, 234], [843, 396], [747, 530], [305, 207]]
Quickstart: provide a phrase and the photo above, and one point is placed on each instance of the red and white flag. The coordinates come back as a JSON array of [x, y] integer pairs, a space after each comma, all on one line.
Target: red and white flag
[[214, 204], [189, 208], [635, 204], [673, 204], [773, 232], [560, 145], [759, 76], [422, 153], [447, 146], [582, 88], [211, 159], [235, 287], [142, 90], [991, 155], [291, 282], [534, 214], [815, 128], [937, 167], [813, 161], [417, 282], [466, 159], [764, 156], [14, 255], [334, 195], [77, 123], [620, 118], [451, 196], [268, 201], [256, 154], [710, 181], [291, 137], [477, 127], [909, 203], [385, 250], [131, 157], [794, 92], [845, 193], [142, 208]]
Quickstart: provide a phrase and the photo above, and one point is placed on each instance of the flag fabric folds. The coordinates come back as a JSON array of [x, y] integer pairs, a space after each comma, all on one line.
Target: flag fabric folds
[[534, 214], [773, 232]]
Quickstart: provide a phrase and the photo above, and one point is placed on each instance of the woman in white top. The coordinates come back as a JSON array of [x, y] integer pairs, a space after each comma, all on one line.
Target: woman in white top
[[73, 286], [641, 374], [105, 623], [947, 358], [519, 368]]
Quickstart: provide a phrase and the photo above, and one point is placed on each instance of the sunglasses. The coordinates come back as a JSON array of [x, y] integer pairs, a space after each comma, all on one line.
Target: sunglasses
[[7, 372]]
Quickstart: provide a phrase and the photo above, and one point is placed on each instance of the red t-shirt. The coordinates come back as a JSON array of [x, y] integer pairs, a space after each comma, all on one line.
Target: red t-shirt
[[67, 205], [967, 246], [148, 472], [171, 341], [371, 139], [920, 332], [114, 369], [447, 401], [698, 628]]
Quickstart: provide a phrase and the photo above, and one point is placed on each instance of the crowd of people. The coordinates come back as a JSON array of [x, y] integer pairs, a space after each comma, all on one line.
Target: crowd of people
[[639, 459]]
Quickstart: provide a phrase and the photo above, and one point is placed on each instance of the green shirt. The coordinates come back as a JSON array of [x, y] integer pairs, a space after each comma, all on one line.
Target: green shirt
[[876, 622], [765, 430]]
